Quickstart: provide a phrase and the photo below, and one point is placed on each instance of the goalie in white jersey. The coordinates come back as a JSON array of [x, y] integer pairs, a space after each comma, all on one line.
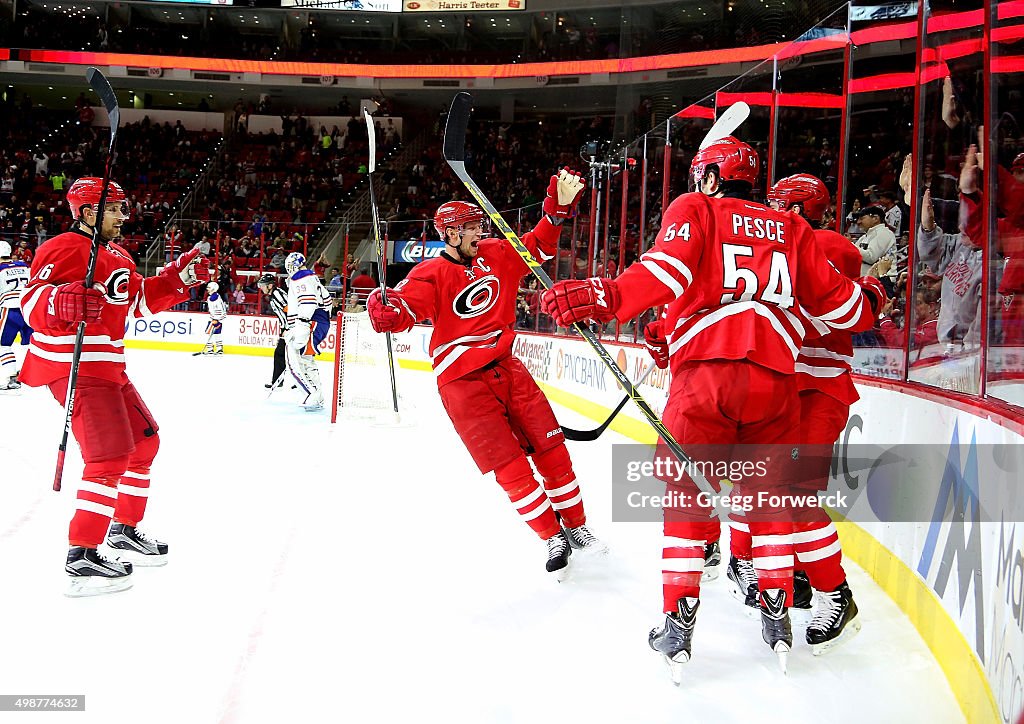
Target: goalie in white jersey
[[14, 276], [218, 310], [309, 322]]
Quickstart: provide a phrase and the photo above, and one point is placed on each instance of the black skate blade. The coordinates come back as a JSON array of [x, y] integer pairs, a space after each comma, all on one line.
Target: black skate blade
[[83, 586], [711, 573], [851, 629], [562, 574]]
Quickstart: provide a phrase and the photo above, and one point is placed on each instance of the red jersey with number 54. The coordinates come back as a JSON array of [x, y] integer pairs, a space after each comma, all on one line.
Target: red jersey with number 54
[[733, 273]]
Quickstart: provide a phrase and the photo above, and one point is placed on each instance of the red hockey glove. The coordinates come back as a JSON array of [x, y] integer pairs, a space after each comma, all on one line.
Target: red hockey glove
[[564, 193], [875, 293], [657, 344], [191, 267], [580, 300], [73, 303], [386, 317]]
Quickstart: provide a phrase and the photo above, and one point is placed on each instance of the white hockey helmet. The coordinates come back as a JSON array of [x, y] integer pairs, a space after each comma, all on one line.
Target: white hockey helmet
[[294, 262], [212, 287], [5, 249]]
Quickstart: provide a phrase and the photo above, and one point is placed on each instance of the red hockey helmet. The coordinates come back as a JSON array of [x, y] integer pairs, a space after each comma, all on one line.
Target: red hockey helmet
[[1018, 164], [86, 192], [736, 161], [457, 214], [804, 189]]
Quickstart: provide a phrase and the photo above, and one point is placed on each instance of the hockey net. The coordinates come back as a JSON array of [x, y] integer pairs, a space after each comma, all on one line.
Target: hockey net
[[362, 379]]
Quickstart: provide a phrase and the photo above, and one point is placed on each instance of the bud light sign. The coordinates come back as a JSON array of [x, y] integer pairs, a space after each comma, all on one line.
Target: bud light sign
[[416, 251]]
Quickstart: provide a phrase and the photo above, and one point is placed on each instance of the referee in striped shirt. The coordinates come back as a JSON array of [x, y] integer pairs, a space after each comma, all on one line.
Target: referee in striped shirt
[[278, 301]]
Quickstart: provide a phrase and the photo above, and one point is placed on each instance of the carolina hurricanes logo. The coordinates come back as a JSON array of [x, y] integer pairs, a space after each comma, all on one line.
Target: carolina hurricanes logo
[[477, 298], [117, 286]]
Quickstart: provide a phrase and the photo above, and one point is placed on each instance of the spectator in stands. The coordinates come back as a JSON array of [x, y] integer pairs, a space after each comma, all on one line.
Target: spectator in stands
[[42, 163], [277, 260], [877, 241], [24, 252], [335, 279], [364, 283], [893, 214], [238, 296], [353, 304]]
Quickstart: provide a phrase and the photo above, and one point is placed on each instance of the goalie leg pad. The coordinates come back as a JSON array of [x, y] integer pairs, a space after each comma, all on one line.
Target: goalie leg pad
[[560, 485], [528, 498]]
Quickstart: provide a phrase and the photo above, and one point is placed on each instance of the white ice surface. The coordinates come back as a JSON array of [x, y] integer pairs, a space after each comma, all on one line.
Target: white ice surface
[[359, 574]]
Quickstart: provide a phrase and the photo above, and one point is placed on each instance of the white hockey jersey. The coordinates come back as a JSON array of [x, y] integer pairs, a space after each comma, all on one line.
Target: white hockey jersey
[[306, 295], [14, 275], [217, 308]]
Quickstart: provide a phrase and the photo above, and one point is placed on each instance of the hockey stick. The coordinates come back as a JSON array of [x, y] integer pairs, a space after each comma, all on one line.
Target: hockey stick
[[280, 378], [371, 135], [455, 154], [196, 354], [102, 88], [729, 121], [590, 435]]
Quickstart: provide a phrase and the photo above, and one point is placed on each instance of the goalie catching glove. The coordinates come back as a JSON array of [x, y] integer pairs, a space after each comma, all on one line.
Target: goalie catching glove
[[191, 267], [388, 317], [574, 301], [564, 193]]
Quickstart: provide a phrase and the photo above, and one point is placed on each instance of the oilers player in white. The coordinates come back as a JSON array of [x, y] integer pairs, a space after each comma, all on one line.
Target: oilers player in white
[[218, 313], [14, 276], [309, 321]]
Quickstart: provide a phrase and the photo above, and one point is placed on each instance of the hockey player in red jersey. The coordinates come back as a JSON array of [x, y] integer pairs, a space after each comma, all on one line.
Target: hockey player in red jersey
[[823, 377], [469, 292], [732, 273], [114, 429]]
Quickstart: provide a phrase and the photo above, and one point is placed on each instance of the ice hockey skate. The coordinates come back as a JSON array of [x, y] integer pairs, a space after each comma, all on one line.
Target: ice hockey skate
[[10, 386], [92, 574], [559, 551], [712, 561], [675, 638], [743, 583], [835, 620], [581, 539], [133, 545], [776, 629], [314, 401], [803, 598]]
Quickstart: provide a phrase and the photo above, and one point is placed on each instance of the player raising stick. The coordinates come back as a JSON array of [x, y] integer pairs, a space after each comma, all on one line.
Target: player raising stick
[[732, 273], [114, 428], [309, 322], [469, 292]]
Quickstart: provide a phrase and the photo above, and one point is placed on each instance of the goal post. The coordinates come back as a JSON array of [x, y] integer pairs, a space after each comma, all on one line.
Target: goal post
[[362, 378]]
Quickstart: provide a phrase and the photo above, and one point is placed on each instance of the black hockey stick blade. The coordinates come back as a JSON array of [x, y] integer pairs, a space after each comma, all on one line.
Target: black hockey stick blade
[[591, 435], [455, 128], [101, 86]]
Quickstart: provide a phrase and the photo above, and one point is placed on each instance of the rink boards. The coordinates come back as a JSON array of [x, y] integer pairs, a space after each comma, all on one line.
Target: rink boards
[[961, 585]]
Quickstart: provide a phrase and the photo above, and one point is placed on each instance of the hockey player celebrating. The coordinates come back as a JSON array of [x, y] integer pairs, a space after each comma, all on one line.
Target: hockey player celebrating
[[114, 429], [218, 310], [278, 302], [13, 278], [731, 272], [823, 377], [309, 323], [469, 292]]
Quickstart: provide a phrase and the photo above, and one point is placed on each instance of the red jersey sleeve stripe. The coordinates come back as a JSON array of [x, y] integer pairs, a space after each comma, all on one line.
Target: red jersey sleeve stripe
[[830, 318], [656, 262], [32, 297]]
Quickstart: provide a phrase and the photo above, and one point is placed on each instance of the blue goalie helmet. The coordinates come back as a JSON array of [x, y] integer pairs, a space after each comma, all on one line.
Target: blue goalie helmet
[[294, 262]]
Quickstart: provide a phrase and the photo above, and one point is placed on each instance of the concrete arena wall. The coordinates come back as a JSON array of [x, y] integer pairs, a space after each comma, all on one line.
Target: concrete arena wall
[[963, 593]]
